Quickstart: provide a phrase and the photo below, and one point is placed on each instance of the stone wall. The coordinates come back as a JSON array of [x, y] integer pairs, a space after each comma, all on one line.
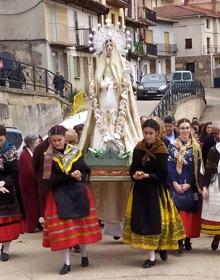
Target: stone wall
[[31, 113], [189, 107], [202, 67]]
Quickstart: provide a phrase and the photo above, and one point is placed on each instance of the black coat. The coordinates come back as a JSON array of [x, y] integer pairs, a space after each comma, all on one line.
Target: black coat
[[211, 165], [146, 216], [10, 203], [69, 193], [207, 145]]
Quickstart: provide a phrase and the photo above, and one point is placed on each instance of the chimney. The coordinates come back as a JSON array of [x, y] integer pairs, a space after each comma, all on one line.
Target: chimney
[[214, 6]]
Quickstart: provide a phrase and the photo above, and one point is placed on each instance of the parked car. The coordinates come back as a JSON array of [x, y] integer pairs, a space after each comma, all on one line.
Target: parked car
[[16, 138], [11, 73], [182, 81], [152, 86], [182, 76]]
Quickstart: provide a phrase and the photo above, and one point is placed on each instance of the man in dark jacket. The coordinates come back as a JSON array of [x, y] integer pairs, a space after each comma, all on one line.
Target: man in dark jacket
[[172, 133], [58, 83]]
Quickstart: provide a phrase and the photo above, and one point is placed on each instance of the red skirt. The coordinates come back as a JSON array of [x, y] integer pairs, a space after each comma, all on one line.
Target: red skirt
[[61, 234], [10, 228], [191, 223]]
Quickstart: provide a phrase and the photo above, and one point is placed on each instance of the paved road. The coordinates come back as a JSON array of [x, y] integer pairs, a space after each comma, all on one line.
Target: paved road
[[212, 111], [109, 260], [145, 107]]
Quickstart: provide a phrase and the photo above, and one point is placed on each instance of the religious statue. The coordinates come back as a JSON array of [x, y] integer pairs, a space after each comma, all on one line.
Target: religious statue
[[113, 123], [112, 126]]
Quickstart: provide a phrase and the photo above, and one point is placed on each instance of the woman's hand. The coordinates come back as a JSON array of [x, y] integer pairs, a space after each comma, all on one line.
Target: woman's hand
[[205, 193], [139, 175], [2, 188], [185, 187], [177, 187], [76, 174]]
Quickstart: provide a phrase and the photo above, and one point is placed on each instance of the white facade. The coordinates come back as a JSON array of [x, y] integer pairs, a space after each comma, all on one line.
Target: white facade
[[164, 58]]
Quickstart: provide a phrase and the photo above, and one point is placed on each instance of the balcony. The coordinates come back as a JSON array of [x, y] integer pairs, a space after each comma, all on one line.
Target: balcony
[[143, 49], [118, 3], [60, 35], [212, 49], [91, 5], [147, 15], [167, 49], [81, 38]]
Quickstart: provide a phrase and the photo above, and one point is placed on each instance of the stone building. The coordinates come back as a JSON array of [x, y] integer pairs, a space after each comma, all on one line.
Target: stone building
[[52, 34], [197, 35]]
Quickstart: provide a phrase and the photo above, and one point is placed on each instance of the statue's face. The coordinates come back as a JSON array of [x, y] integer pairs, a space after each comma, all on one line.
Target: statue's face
[[109, 48]]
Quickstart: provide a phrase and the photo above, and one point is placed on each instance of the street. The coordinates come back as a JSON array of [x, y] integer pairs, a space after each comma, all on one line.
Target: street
[[212, 111], [109, 259]]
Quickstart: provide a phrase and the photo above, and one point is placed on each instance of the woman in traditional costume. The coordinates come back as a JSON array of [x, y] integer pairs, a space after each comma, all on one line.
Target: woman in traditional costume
[[70, 215], [152, 221], [28, 185], [10, 215], [185, 176], [211, 195]]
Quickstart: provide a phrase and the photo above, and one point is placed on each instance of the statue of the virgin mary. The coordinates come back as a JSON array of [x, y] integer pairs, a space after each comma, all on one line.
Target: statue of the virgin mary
[[113, 123]]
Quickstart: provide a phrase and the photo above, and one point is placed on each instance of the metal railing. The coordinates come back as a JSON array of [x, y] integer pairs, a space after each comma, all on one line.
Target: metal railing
[[176, 91], [214, 49], [167, 49], [82, 37], [146, 14], [141, 48], [16, 74]]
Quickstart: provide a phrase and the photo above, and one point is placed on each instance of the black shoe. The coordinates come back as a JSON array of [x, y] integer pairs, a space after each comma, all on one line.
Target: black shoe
[[187, 244], [39, 226], [84, 262], [148, 263], [77, 249], [65, 269], [163, 255], [215, 243], [116, 237], [4, 256], [181, 246]]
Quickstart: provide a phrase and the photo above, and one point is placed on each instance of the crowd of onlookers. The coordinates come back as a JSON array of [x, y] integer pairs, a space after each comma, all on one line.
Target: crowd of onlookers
[[184, 167]]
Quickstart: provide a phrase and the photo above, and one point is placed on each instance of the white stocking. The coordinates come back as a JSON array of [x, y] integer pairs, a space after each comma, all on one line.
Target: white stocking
[[66, 256], [83, 250], [152, 255], [6, 247]]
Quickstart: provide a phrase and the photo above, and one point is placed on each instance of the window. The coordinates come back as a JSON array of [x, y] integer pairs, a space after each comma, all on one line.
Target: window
[[76, 67], [90, 18], [208, 44], [207, 23], [188, 43], [186, 76], [149, 36], [113, 18], [120, 20], [99, 19]]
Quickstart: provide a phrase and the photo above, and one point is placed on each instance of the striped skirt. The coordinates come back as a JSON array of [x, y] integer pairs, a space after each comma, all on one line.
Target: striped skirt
[[211, 228], [171, 228], [60, 234], [10, 228]]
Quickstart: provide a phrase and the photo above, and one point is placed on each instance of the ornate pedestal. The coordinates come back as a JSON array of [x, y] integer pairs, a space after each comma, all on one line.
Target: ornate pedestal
[[110, 184]]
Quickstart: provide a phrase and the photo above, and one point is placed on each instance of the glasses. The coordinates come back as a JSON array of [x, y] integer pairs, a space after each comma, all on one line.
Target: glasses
[[184, 128]]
